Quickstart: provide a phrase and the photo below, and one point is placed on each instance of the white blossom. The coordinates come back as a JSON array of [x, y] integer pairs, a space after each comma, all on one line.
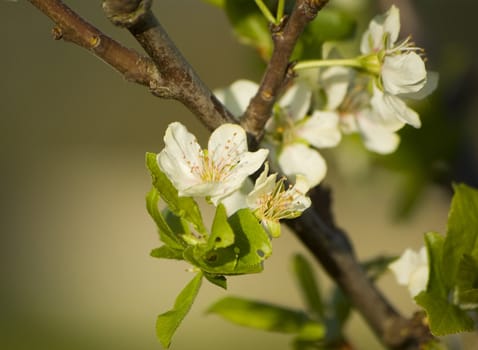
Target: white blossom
[[412, 270], [214, 172], [270, 201]]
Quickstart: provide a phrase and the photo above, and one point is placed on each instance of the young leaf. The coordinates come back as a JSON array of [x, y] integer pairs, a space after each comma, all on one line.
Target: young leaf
[[308, 285], [267, 317], [218, 280], [462, 231], [167, 323], [467, 283], [184, 207], [222, 235], [165, 252], [165, 233], [444, 318]]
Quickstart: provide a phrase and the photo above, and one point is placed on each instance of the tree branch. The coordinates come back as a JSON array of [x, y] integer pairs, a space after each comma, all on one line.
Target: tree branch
[[180, 81], [72, 28], [278, 70]]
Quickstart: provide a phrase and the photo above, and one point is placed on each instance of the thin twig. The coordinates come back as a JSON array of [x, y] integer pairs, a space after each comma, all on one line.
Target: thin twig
[[71, 27], [285, 36]]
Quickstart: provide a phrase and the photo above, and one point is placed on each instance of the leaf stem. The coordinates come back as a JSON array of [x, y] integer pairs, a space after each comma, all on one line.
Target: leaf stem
[[265, 11]]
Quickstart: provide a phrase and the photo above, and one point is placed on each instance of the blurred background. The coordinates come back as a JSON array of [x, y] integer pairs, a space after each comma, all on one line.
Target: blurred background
[[74, 233]]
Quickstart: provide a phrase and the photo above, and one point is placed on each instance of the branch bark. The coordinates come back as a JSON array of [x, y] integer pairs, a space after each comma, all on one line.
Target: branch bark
[[169, 75], [279, 69]]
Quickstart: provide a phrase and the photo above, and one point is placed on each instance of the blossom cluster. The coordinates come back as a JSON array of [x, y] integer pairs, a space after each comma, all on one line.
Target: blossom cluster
[[364, 95], [220, 174]]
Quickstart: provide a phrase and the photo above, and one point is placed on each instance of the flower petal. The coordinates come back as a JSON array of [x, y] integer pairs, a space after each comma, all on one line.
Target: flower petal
[[180, 156], [321, 129], [297, 158], [226, 143], [296, 101], [376, 137], [430, 86], [380, 26], [404, 73], [335, 81], [393, 111], [237, 96]]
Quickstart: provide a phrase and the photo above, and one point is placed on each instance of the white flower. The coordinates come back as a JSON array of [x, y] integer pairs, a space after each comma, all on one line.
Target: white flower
[[411, 270], [400, 68], [214, 173], [270, 201], [291, 131]]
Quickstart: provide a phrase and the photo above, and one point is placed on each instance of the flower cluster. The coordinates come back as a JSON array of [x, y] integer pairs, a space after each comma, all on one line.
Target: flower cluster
[[364, 95], [220, 174]]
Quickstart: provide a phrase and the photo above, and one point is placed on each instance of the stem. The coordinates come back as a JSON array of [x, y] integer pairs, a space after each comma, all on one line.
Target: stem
[[280, 10], [344, 62], [265, 11]]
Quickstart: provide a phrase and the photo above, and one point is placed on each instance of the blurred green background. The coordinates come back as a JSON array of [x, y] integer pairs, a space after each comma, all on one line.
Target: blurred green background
[[75, 236]]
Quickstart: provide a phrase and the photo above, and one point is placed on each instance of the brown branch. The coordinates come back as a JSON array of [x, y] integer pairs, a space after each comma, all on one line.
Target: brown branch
[[278, 70], [72, 28], [181, 81]]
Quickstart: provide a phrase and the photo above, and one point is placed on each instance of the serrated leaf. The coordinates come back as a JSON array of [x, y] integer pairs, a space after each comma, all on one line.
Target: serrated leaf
[[168, 322], [184, 207], [165, 252], [264, 316], [166, 235], [436, 285], [466, 293], [218, 280], [444, 318], [222, 235], [308, 285], [249, 25], [462, 231]]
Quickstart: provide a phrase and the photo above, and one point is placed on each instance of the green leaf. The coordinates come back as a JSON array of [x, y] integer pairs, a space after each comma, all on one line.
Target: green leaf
[[267, 317], [308, 285], [167, 323], [184, 207], [251, 247], [462, 232], [222, 235], [166, 235], [444, 318], [467, 283], [249, 25], [218, 280], [165, 252]]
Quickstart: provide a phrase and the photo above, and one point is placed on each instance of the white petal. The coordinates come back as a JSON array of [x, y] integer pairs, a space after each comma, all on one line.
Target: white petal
[[393, 111], [387, 24], [418, 280], [430, 86], [181, 154], [403, 74], [237, 96], [237, 199], [321, 129], [335, 81], [297, 158], [405, 266], [376, 137], [296, 101], [227, 142]]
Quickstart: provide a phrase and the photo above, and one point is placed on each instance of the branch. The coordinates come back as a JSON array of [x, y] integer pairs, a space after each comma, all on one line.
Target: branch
[[72, 28], [180, 81], [278, 71]]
